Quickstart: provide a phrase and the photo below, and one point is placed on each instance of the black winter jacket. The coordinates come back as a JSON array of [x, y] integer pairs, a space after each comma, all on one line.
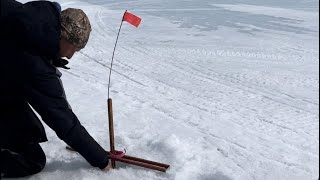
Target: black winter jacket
[[30, 36]]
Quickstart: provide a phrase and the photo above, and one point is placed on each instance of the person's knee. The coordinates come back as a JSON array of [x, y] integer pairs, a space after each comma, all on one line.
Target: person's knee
[[43, 161], [39, 159], [14, 164], [35, 158]]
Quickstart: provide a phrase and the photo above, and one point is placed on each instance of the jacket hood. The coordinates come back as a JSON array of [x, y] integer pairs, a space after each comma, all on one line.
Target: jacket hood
[[34, 27]]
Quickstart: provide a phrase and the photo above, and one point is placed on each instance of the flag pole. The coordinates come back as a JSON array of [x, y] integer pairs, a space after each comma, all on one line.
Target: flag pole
[[115, 46], [110, 111]]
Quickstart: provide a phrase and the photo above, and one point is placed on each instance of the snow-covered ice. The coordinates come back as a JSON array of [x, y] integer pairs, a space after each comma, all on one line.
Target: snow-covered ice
[[220, 90]]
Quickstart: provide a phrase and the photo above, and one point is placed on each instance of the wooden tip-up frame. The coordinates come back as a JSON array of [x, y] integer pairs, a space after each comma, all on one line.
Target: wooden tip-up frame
[[130, 159]]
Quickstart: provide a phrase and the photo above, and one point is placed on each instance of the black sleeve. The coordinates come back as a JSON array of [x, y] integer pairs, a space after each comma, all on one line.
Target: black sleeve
[[46, 95]]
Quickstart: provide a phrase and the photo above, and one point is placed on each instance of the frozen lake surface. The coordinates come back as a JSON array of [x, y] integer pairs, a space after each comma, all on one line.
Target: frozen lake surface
[[220, 90]]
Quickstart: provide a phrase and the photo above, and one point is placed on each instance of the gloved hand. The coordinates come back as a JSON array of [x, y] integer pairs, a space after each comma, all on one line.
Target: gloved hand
[[108, 168]]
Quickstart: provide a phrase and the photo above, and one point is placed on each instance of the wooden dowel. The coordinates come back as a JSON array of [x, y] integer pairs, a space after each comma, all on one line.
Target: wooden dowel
[[145, 165], [111, 130], [146, 161], [138, 162]]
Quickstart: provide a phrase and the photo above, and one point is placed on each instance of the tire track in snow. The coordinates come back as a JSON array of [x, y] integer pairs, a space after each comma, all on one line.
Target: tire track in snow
[[273, 95], [229, 80], [219, 79]]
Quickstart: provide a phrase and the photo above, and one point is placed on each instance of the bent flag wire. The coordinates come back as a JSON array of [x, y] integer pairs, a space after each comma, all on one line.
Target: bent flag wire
[[133, 20]]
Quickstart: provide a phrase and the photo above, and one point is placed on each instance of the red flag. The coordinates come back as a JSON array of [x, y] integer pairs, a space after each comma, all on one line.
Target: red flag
[[132, 19]]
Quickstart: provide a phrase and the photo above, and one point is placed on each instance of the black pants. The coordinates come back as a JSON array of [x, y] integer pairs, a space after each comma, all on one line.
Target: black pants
[[22, 160]]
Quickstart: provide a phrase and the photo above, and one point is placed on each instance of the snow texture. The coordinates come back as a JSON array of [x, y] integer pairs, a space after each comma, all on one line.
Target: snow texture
[[223, 90]]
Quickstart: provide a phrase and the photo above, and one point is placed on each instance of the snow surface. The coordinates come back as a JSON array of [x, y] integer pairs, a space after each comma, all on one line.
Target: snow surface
[[220, 90]]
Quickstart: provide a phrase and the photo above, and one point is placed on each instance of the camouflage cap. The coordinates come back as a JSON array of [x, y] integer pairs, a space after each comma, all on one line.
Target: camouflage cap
[[75, 27]]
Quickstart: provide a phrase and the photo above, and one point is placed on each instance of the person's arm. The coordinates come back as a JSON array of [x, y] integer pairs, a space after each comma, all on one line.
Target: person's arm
[[46, 95]]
